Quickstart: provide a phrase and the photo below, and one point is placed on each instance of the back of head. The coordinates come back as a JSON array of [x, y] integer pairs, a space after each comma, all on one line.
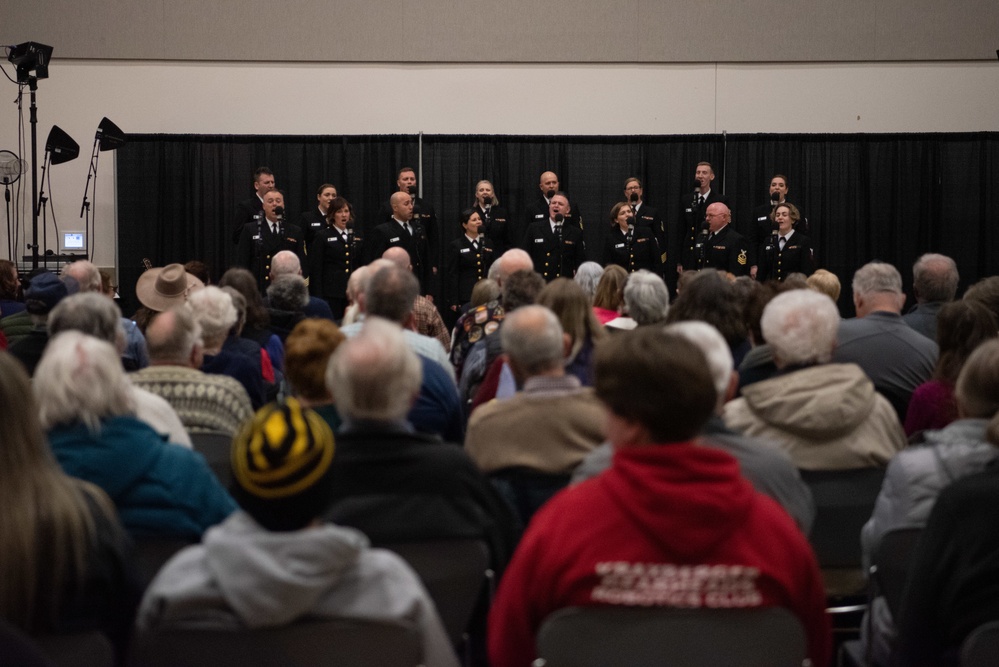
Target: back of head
[[711, 298], [288, 292], [521, 288], [285, 263], [282, 466], [825, 282], [510, 262], [646, 298], [358, 282], [609, 294], [213, 310], [587, 277], [91, 313], [986, 292], [801, 327], [935, 278], [24, 445], [961, 327], [10, 284], [45, 291], [485, 290], [572, 307], [532, 337], [391, 294], [715, 349], [307, 351], [638, 374], [977, 389], [80, 380], [877, 277], [243, 282], [172, 336], [399, 257], [86, 274], [374, 375]]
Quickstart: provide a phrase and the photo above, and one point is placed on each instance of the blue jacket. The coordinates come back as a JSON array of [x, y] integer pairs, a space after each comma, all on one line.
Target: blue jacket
[[158, 487]]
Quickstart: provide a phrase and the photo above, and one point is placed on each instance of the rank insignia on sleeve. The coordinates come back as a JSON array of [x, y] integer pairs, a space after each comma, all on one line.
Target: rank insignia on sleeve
[[741, 258]]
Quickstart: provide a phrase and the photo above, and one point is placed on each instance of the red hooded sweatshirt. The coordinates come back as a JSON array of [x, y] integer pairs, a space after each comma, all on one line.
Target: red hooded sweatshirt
[[671, 525]]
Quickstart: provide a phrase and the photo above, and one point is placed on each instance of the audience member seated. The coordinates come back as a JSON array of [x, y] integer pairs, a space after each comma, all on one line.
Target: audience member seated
[[588, 277], [96, 315], [87, 410], [88, 277], [355, 287], [986, 292], [546, 428], [671, 523], [569, 303], [917, 475], [65, 560], [710, 297], [236, 344], [608, 299], [767, 468], [309, 348], [160, 289], [379, 298], [961, 326], [426, 318], [258, 321], [952, 584], [393, 483], [11, 298], [934, 283], [205, 402], [44, 292], [894, 356], [646, 302], [758, 364], [286, 298], [215, 313], [825, 282], [275, 561], [483, 321], [825, 416], [287, 263]]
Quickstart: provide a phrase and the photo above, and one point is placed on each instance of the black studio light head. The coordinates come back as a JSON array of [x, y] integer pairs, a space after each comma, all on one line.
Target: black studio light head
[[30, 57]]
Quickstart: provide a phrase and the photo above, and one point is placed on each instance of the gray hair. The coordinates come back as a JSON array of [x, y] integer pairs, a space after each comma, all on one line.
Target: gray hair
[[391, 294], [358, 282], [288, 292], [715, 349], [935, 278], [510, 262], [239, 302], [876, 277], [91, 313], [374, 375], [214, 311], [646, 297], [172, 336], [86, 274], [801, 327], [285, 263], [80, 380], [532, 337], [587, 276]]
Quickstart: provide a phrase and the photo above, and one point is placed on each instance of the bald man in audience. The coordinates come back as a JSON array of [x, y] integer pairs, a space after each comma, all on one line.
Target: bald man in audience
[[204, 402], [426, 319], [934, 283]]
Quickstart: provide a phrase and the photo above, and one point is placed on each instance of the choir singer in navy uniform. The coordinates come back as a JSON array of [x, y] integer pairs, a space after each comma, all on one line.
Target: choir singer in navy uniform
[[313, 220], [692, 214], [466, 260], [260, 240], [334, 255], [556, 248], [788, 250], [496, 222], [403, 231], [724, 248], [629, 245]]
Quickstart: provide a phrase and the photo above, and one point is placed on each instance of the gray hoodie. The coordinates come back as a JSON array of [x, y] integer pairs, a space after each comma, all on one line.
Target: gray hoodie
[[243, 576]]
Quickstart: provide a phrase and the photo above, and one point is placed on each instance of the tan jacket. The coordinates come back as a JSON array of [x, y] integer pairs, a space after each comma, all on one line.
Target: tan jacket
[[826, 417]]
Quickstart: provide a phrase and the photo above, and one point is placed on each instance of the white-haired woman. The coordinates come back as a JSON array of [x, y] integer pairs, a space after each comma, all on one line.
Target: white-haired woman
[[86, 408]]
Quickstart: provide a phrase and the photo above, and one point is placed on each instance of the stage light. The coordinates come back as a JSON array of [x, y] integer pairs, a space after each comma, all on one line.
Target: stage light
[[61, 146]]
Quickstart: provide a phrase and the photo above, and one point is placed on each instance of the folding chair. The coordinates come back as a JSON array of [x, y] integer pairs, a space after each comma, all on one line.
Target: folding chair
[[654, 637], [215, 447]]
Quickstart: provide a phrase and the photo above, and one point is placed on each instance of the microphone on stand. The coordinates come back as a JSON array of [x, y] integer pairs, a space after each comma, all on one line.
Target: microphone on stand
[[279, 214], [550, 193], [703, 242], [697, 193]]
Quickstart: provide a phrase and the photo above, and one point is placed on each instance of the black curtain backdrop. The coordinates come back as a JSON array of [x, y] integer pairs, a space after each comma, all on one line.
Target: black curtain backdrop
[[869, 196]]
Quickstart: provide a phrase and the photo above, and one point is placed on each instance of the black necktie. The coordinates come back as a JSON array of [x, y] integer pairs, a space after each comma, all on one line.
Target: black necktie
[[700, 201], [783, 240]]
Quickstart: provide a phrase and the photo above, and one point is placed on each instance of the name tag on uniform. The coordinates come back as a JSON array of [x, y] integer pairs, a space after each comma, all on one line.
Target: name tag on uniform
[[256, 237], [317, 224], [619, 245], [762, 218], [395, 240], [689, 210], [333, 239], [539, 216], [464, 250], [539, 240]]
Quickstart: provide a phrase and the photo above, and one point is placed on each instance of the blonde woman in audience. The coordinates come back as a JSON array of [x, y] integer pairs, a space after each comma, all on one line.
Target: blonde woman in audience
[[569, 303], [64, 552], [609, 295], [825, 282], [308, 348]]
